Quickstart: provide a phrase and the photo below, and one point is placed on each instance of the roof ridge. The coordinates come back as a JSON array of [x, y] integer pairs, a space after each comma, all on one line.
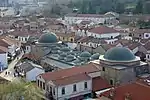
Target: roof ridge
[[142, 85], [61, 78]]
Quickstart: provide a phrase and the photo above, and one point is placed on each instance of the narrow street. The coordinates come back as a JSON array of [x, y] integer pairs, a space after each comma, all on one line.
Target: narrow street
[[10, 69]]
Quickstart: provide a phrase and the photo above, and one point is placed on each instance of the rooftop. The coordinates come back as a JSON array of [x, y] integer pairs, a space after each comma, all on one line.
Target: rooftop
[[135, 91], [88, 68], [103, 30]]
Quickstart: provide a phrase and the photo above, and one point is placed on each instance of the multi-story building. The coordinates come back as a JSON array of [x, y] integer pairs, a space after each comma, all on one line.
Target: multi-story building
[[96, 18]]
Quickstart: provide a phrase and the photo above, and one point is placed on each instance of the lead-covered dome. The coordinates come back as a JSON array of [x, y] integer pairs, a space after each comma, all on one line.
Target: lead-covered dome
[[119, 54], [48, 38]]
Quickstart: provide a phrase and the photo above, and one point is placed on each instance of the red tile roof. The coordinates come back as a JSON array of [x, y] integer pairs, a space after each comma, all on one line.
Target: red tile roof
[[132, 46], [99, 83], [137, 91], [26, 33], [3, 49], [88, 68], [147, 46], [4, 43], [103, 30], [72, 79]]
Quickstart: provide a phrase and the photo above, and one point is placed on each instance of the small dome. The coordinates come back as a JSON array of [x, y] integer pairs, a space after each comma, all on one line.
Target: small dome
[[71, 53], [63, 55], [95, 56], [48, 38], [85, 54], [65, 49], [119, 54], [70, 58], [56, 48]]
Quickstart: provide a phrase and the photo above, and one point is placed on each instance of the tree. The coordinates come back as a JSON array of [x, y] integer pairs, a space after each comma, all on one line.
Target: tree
[[22, 90], [139, 7]]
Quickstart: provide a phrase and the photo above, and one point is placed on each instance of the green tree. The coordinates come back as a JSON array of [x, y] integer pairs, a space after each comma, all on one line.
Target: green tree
[[15, 91], [139, 7]]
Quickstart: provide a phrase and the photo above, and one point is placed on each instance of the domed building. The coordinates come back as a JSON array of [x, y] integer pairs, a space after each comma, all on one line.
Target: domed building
[[85, 56], [48, 38], [53, 53], [119, 65]]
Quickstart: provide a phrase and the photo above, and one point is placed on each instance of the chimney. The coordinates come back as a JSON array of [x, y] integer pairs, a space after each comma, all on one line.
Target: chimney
[[128, 96]]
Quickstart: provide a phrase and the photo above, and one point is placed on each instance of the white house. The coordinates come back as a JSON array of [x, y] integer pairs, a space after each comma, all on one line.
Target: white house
[[68, 83], [9, 45], [96, 18], [103, 32], [7, 11], [30, 70], [3, 58]]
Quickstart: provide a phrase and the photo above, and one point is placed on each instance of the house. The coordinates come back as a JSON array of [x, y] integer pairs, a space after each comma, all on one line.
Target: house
[[7, 11], [66, 37], [139, 90], [96, 18], [104, 32], [3, 58], [140, 33], [29, 70], [9, 45], [69, 83], [147, 47], [23, 35]]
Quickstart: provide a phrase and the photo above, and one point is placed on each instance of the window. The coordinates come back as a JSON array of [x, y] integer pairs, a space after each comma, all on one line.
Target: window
[[85, 85], [43, 85], [71, 40], [38, 83], [50, 89], [148, 56], [74, 88], [63, 91], [53, 91], [111, 82], [146, 35], [103, 68]]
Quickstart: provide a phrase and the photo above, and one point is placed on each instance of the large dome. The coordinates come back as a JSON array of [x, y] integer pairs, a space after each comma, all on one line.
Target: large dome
[[119, 54], [48, 38]]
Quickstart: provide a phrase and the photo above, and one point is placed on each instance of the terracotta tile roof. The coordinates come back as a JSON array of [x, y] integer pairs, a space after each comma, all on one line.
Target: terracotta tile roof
[[72, 79], [133, 45], [141, 31], [92, 40], [99, 83], [26, 33], [123, 42], [147, 46], [4, 43], [3, 49], [88, 68], [30, 56], [106, 46], [13, 41], [137, 91], [144, 41], [103, 30]]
